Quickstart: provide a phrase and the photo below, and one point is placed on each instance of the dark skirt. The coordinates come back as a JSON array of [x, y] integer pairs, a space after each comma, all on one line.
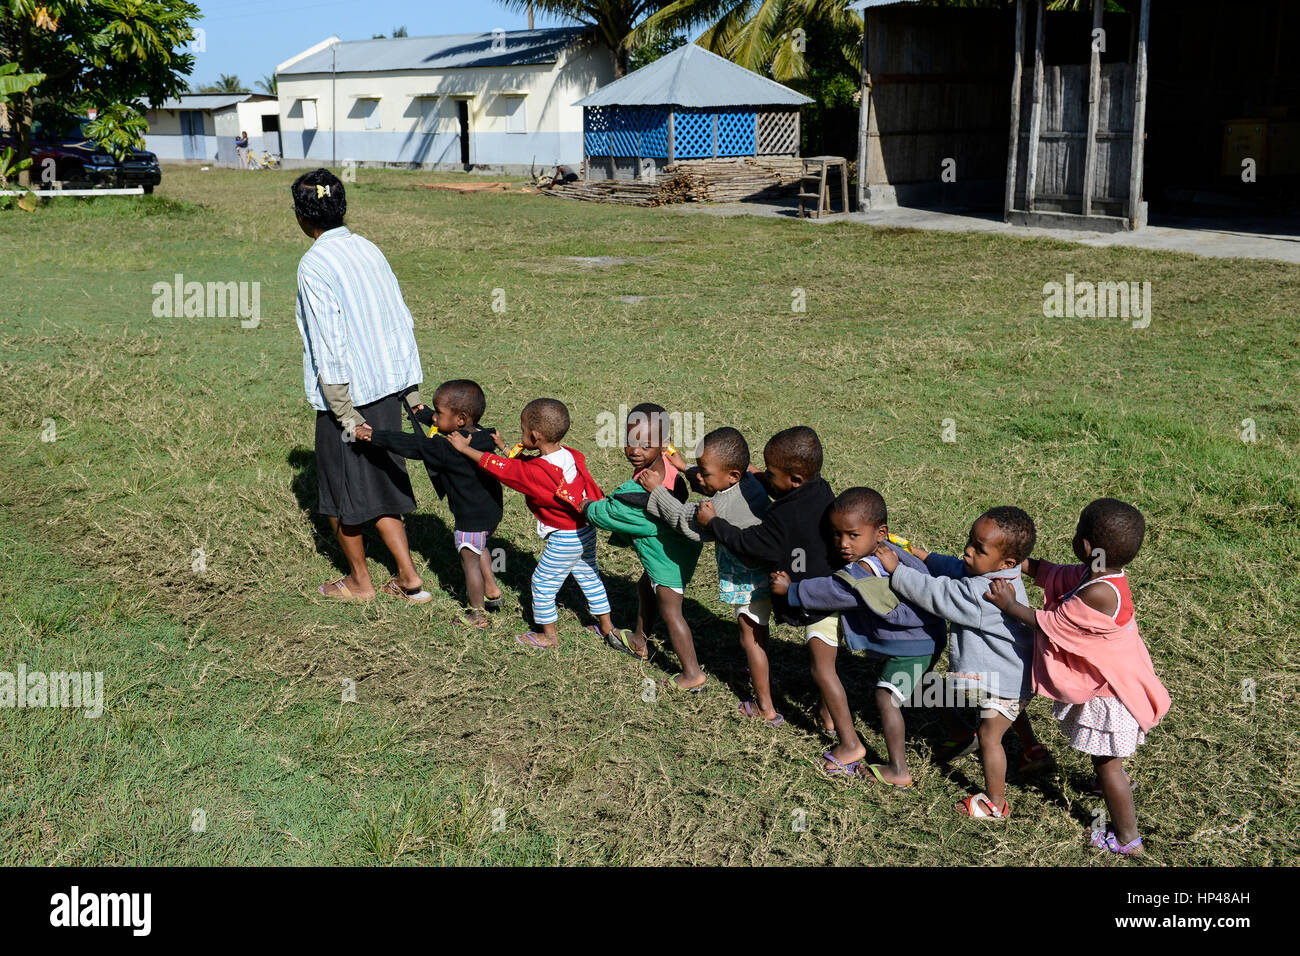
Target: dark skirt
[[358, 482]]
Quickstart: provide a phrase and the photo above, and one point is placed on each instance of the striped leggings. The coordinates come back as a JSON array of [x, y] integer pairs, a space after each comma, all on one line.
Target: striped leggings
[[567, 552]]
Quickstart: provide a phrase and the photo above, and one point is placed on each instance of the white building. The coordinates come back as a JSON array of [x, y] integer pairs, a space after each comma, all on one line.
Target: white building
[[203, 126], [502, 99]]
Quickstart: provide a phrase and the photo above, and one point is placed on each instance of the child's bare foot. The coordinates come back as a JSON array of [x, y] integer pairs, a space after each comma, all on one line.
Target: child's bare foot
[[475, 617], [533, 639], [681, 682]]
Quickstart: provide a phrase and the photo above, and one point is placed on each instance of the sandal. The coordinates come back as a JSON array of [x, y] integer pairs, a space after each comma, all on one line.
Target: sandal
[[840, 768], [414, 595], [530, 639], [981, 807], [1108, 841], [954, 748], [476, 620], [874, 770], [493, 604], [672, 684], [1036, 759], [750, 709], [618, 639], [338, 591]]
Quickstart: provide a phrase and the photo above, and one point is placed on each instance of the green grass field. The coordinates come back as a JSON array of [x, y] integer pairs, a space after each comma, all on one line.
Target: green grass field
[[222, 689]]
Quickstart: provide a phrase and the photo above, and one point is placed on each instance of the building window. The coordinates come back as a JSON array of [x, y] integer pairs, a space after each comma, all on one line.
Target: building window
[[371, 110], [308, 114], [516, 118]]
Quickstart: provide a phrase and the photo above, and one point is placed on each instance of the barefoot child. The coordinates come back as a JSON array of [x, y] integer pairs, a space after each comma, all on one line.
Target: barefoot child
[[1090, 658], [723, 473], [794, 537], [873, 618], [473, 495], [990, 654], [669, 558], [553, 484]]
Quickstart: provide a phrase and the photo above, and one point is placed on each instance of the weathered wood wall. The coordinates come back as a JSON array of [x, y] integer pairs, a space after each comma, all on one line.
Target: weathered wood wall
[[940, 90]]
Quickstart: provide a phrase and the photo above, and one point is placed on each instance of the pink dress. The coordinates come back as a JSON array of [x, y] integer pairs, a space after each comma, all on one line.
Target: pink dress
[[1095, 665]]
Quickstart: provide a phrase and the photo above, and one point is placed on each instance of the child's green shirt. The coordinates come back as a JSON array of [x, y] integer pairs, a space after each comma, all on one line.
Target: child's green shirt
[[667, 556]]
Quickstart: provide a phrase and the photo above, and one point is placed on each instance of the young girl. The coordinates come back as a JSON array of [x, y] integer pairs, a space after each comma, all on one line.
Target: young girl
[[1089, 657]]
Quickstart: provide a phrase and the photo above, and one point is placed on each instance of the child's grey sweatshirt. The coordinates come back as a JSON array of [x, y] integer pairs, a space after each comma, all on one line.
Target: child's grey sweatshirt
[[986, 648], [743, 505]]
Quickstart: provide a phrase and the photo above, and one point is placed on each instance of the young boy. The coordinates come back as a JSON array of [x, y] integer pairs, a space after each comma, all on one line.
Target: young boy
[[990, 654], [473, 496], [669, 558], [794, 537], [722, 472], [553, 484], [872, 619]]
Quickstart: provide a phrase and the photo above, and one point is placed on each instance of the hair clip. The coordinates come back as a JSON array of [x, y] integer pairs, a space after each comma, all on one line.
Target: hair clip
[[322, 191]]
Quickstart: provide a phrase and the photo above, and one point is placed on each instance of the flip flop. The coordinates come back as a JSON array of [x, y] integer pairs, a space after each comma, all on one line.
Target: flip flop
[[529, 639], [414, 595], [672, 684], [874, 770], [750, 709], [975, 807], [618, 639], [1108, 841], [1036, 759], [493, 604], [469, 620], [840, 768], [338, 591]]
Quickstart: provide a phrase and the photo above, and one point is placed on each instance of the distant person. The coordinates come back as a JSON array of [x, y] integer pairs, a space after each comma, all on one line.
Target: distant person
[[360, 363], [241, 149]]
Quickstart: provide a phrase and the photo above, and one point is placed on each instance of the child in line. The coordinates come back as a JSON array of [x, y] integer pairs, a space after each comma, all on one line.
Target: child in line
[[553, 484], [1090, 658], [794, 537], [473, 496], [872, 619], [668, 557], [722, 473], [990, 653]]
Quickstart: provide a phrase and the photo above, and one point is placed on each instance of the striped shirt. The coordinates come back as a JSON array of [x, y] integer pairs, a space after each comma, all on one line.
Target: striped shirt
[[355, 325]]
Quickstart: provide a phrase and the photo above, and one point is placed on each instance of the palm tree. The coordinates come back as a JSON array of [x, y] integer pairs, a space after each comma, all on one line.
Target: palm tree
[[766, 36], [269, 83], [226, 83], [612, 21]]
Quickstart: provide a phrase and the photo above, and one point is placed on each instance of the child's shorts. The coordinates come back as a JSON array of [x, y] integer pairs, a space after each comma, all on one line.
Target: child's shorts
[[654, 586], [827, 630], [1008, 707], [901, 675], [758, 610], [476, 541]]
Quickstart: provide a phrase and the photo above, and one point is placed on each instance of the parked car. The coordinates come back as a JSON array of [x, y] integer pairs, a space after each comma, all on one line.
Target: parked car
[[79, 163]]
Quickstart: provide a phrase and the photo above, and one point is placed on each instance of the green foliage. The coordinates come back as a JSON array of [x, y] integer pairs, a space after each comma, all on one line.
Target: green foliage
[[653, 49]]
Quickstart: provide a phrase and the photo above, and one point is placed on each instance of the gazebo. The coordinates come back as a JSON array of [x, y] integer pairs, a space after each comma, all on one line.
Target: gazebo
[[688, 105]]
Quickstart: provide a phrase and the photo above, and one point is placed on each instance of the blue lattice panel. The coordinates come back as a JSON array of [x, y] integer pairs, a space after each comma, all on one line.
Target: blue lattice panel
[[595, 130], [736, 133], [693, 134], [654, 138]]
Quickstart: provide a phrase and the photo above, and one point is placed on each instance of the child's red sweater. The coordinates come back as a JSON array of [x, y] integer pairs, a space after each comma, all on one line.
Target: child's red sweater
[[542, 484]]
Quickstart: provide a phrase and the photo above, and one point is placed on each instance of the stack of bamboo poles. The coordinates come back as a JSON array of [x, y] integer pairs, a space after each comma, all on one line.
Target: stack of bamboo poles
[[694, 180]]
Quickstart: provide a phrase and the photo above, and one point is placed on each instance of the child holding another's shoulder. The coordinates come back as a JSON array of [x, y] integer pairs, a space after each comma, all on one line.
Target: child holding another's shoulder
[[990, 654], [1091, 660], [722, 473]]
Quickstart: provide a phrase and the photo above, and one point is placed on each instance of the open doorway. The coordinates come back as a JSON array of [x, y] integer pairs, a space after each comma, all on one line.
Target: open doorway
[[462, 120], [271, 133]]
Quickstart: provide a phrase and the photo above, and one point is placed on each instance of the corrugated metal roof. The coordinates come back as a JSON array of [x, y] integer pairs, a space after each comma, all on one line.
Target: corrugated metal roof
[[692, 76], [865, 4], [450, 52], [209, 101]]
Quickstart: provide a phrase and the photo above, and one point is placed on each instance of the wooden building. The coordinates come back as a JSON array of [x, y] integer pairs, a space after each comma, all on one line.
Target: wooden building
[[1079, 118]]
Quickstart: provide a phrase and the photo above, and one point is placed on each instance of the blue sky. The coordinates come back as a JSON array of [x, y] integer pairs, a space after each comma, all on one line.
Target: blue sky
[[249, 37]]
